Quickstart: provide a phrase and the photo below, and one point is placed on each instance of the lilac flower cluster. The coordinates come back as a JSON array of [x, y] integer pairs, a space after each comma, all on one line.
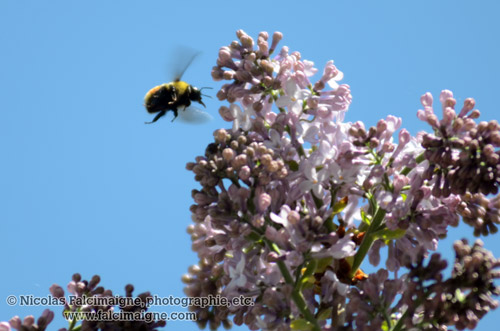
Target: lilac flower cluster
[[293, 198]]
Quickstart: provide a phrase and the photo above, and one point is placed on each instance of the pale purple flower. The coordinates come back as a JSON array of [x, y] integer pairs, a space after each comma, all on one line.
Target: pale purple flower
[[241, 117], [331, 75], [343, 248], [237, 275], [338, 286], [293, 97], [276, 141], [287, 218], [314, 179]]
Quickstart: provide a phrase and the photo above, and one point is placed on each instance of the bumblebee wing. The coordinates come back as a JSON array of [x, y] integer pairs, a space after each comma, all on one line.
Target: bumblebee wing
[[194, 115], [180, 61]]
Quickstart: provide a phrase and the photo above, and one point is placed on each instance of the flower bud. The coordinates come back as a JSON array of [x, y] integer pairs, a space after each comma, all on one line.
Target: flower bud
[[264, 201]]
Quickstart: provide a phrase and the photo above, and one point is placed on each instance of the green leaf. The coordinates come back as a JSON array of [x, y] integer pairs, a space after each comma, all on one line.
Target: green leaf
[[301, 324], [317, 201], [325, 314], [461, 297], [276, 248], [350, 260], [329, 225], [387, 234], [364, 217], [254, 236], [339, 206], [294, 166], [323, 263], [307, 282], [311, 268], [384, 326]]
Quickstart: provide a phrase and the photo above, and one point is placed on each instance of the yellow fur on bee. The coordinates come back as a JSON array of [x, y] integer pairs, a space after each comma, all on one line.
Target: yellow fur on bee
[[180, 86]]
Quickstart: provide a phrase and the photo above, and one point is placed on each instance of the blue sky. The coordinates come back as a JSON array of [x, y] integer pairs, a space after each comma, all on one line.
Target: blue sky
[[87, 187]]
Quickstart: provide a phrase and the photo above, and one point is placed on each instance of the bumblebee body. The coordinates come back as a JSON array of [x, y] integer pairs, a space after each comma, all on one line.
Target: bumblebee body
[[170, 96]]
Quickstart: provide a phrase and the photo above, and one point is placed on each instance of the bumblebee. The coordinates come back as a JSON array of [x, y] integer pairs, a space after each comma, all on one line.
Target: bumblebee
[[172, 96]]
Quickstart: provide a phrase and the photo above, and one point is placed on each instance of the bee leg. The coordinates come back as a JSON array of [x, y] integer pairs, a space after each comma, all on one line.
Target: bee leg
[[175, 114], [174, 98], [157, 117]]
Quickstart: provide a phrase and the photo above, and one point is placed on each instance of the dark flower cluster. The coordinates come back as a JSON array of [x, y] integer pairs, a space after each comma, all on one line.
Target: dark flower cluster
[[89, 289], [371, 303], [464, 161], [480, 212], [463, 154], [423, 299], [433, 302], [204, 280], [84, 288], [28, 323]]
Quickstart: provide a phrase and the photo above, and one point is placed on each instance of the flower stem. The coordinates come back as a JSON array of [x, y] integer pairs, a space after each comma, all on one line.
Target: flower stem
[[367, 240], [297, 296], [420, 158], [400, 323]]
